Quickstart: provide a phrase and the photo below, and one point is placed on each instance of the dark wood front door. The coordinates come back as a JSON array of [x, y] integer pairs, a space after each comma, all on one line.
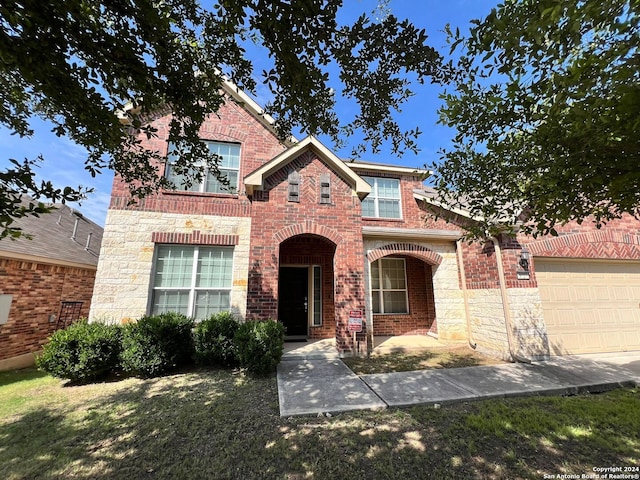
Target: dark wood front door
[[293, 300]]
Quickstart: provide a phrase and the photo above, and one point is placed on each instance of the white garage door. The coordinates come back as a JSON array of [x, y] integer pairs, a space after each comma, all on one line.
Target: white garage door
[[590, 306]]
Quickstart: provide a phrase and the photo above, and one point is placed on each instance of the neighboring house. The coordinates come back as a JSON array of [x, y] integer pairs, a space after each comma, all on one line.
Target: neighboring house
[[312, 240], [46, 282]]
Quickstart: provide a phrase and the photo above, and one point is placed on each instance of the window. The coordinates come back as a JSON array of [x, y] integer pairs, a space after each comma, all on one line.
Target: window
[[192, 280], [316, 306], [5, 307], [229, 166], [389, 286], [384, 199]]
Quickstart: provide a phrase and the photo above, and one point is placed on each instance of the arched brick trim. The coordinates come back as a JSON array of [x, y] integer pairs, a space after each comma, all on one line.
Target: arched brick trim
[[596, 244], [307, 228], [418, 251], [217, 131]]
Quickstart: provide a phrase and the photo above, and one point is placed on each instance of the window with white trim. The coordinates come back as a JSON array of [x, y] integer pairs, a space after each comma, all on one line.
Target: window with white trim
[[192, 280], [384, 199], [389, 286], [229, 166]]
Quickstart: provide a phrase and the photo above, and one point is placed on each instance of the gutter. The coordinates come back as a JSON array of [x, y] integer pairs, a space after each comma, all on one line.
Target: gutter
[[505, 303], [465, 294]]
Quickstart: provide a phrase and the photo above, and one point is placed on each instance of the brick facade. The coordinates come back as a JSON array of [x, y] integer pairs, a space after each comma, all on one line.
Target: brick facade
[[339, 223], [268, 231], [38, 290]]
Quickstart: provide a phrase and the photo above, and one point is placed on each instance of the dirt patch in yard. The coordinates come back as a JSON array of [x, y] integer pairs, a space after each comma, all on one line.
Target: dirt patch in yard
[[454, 356]]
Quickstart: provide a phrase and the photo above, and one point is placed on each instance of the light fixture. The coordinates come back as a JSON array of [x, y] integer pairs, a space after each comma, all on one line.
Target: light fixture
[[524, 259]]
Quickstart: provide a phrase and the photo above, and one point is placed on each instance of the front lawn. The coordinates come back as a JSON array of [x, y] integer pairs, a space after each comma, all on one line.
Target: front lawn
[[452, 356], [222, 424]]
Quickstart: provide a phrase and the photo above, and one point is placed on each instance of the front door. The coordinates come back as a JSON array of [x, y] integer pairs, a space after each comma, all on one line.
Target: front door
[[293, 300]]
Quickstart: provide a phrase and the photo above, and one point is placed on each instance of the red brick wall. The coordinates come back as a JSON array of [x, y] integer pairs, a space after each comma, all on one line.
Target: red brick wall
[[38, 291], [422, 313], [231, 124], [275, 219], [619, 239]]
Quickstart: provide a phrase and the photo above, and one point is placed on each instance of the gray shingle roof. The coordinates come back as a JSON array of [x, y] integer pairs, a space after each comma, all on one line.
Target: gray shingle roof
[[52, 237]]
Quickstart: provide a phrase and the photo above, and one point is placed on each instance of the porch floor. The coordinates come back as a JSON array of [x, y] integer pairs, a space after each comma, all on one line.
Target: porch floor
[[326, 348]]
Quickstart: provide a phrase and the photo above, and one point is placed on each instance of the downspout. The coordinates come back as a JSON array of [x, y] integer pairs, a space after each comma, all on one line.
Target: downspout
[[465, 295], [505, 303]]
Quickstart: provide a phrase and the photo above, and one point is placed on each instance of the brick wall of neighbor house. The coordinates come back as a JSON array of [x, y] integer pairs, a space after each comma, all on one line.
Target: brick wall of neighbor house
[[276, 219], [38, 290], [449, 321], [125, 266], [422, 315]]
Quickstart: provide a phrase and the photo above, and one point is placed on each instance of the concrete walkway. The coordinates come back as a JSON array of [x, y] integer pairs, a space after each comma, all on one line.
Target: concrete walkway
[[316, 381]]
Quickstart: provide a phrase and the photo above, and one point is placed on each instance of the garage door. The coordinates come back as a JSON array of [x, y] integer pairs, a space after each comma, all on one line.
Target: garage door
[[591, 306]]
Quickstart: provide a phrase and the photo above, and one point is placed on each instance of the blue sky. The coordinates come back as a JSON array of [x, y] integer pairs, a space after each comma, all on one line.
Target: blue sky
[[64, 160]]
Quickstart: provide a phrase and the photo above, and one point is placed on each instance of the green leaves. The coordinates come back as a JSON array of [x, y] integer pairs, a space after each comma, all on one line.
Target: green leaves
[[546, 115], [99, 70]]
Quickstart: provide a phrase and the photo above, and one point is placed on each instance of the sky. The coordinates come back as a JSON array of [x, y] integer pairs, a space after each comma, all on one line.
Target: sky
[[64, 160]]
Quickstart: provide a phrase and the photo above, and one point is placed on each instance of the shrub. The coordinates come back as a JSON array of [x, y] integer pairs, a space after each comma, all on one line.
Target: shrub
[[156, 344], [82, 351], [213, 339], [259, 345]]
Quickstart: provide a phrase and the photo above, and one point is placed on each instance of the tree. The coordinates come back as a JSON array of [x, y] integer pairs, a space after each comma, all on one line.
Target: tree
[[87, 65], [546, 110]]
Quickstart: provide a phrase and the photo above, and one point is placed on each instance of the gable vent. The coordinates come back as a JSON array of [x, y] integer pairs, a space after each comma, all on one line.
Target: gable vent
[[294, 187], [325, 188]]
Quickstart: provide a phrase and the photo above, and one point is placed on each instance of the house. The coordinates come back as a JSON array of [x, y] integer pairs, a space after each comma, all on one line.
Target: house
[[46, 281], [319, 243]]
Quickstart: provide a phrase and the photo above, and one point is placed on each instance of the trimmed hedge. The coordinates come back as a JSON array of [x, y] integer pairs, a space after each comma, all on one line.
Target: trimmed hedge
[[259, 345], [82, 351], [157, 344], [213, 339]]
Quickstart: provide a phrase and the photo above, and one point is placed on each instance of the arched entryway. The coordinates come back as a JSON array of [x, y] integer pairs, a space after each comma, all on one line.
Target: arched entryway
[[305, 286]]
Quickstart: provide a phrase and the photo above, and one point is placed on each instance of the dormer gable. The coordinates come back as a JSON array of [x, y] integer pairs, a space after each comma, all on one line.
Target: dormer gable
[[256, 180]]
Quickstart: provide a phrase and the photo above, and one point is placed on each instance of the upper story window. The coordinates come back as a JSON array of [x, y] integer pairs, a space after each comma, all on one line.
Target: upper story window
[[229, 166], [384, 199]]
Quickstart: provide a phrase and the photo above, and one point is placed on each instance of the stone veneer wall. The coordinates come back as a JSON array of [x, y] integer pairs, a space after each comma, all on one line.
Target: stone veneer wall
[[447, 295], [123, 279], [486, 312]]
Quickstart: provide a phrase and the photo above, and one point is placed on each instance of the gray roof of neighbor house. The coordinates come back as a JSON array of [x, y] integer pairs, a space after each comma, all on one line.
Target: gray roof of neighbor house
[[53, 239]]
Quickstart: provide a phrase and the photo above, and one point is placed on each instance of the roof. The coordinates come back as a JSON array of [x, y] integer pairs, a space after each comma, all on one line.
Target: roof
[[238, 96], [52, 238], [385, 167], [430, 196], [255, 180]]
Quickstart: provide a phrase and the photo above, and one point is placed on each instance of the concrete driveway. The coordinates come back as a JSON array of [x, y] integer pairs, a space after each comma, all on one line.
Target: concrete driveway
[[628, 360]]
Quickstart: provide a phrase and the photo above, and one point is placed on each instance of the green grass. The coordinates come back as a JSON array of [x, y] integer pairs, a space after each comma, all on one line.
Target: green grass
[[448, 357], [222, 424]]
